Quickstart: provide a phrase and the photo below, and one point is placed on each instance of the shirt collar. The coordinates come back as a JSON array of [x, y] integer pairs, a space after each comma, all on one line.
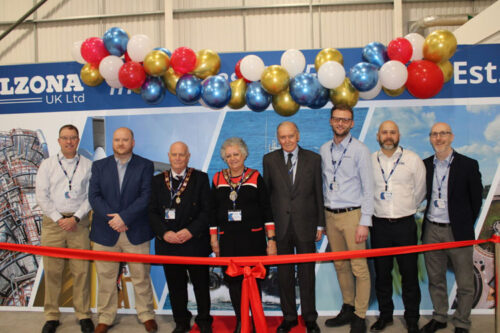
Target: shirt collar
[[344, 142], [295, 152], [178, 175], [124, 164], [445, 161], [396, 154], [61, 157]]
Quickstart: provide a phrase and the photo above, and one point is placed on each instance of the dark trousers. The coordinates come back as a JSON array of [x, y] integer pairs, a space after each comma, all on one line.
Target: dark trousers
[[307, 280], [177, 280], [390, 233]]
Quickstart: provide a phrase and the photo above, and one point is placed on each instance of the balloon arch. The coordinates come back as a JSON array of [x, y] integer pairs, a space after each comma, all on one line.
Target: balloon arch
[[420, 65]]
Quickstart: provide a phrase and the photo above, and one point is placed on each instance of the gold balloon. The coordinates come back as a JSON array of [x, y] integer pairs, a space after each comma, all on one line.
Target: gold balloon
[[328, 54], [284, 105], [137, 90], [238, 90], [447, 69], [156, 63], [170, 78], [90, 75], [345, 94], [274, 79], [394, 92], [207, 64], [439, 46]]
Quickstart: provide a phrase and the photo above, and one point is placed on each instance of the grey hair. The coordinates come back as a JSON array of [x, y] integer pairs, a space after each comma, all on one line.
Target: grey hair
[[234, 141]]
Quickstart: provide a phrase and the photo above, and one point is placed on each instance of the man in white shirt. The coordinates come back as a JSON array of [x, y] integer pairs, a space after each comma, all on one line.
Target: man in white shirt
[[62, 193], [399, 178]]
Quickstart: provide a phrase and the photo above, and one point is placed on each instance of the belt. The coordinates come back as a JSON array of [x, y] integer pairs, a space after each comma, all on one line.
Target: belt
[[399, 219], [341, 210], [442, 225]]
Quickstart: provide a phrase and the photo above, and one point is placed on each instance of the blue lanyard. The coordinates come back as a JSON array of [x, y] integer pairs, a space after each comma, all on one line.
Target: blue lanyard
[[440, 183], [386, 181], [336, 165], [70, 180], [290, 171], [173, 192], [237, 189]]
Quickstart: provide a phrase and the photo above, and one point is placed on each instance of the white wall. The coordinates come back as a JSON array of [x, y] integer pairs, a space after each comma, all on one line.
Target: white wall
[[221, 25]]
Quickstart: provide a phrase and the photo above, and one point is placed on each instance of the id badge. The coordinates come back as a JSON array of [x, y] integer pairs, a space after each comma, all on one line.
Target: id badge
[[170, 214], [234, 215], [334, 186], [386, 195], [440, 203]]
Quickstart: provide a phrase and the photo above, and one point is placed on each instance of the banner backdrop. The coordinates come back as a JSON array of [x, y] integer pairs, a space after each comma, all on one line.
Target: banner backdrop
[[37, 99]]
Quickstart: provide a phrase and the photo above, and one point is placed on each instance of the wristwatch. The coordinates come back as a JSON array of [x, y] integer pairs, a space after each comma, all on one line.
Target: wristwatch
[[272, 238], [77, 219]]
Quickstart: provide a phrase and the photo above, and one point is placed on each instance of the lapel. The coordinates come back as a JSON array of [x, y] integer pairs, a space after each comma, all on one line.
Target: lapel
[[280, 162], [115, 182], [452, 176], [430, 176], [132, 165], [299, 169]]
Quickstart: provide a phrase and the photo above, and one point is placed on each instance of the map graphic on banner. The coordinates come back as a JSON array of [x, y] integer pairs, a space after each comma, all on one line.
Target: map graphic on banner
[[35, 100]]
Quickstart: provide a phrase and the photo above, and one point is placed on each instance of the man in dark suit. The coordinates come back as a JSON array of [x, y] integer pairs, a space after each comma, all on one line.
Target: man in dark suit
[[179, 216], [119, 191], [454, 197], [293, 178]]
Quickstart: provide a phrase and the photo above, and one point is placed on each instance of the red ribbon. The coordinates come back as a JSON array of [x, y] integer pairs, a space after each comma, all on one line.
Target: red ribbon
[[250, 296]]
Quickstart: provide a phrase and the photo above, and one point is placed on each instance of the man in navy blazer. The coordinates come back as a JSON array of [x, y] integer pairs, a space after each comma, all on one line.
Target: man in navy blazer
[[119, 191], [454, 197]]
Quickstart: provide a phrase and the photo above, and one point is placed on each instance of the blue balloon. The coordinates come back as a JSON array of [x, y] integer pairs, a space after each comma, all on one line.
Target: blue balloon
[[188, 89], [375, 53], [216, 91], [320, 100], [115, 40], [257, 98], [153, 90], [363, 76], [164, 50], [304, 88]]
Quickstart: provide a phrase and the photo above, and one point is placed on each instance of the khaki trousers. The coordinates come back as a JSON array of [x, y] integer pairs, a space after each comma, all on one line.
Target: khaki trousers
[[107, 274], [53, 235], [341, 230]]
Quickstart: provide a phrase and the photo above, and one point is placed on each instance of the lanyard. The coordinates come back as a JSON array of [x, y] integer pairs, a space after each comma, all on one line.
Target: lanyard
[[70, 180], [440, 183], [290, 171], [236, 188], [336, 165], [386, 180], [173, 192]]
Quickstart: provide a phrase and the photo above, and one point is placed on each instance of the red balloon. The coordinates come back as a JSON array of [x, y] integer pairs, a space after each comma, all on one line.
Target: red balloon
[[183, 60], [400, 49], [425, 79], [237, 71], [132, 75], [93, 50], [127, 57]]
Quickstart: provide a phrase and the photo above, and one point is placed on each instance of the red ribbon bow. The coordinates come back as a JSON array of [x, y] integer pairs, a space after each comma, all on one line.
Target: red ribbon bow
[[250, 296]]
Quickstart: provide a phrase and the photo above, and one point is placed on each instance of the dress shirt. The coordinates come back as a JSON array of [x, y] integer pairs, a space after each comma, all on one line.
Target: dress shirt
[[52, 185], [440, 169], [178, 176], [295, 154], [406, 184], [122, 168], [354, 177]]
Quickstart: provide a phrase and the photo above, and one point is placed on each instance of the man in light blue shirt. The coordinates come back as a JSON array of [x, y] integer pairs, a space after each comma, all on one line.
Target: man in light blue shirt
[[348, 193]]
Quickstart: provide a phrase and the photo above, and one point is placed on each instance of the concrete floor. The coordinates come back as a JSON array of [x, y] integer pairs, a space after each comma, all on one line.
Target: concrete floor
[[30, 322]]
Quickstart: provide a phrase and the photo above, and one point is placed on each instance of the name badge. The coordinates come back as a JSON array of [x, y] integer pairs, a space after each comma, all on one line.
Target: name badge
[[386, 195], [234, 215], [169, 214], [334, 186], [440, 203]]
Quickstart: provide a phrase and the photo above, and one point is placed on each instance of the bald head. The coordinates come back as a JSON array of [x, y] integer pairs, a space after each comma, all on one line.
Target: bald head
[[441, 138], [288, 135], [123, 143], [388, 137], [178, 156]]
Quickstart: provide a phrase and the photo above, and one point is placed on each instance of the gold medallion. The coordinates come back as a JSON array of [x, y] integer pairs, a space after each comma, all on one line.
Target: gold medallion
[[233, 196], [178, 200]]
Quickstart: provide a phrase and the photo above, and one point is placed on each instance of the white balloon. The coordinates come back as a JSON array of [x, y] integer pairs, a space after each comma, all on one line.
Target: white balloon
[[331, 74], [417, 43], [138, 47], [109, 67], [251, 67], [372, 93], [393, 74], [293, 61], [75, 52], [114, 84]]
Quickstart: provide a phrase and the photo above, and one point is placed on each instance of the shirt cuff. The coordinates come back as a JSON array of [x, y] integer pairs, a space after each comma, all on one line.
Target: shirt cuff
[[321, 228], [55, 216], [366, 220]]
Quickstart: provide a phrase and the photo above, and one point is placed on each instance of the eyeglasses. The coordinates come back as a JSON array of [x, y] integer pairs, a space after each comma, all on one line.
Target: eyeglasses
[[68, 138], [341, 120], [436, 134]]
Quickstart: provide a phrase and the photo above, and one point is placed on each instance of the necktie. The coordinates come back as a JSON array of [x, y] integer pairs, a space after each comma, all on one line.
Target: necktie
[[289, 167]]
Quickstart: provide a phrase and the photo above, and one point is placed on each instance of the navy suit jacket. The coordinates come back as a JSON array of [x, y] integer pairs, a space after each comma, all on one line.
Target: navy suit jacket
[[131, 204], [464, 194]]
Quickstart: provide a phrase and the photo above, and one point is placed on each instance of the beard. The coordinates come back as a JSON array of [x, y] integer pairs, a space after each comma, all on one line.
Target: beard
[[389, 144], [341, 134]]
